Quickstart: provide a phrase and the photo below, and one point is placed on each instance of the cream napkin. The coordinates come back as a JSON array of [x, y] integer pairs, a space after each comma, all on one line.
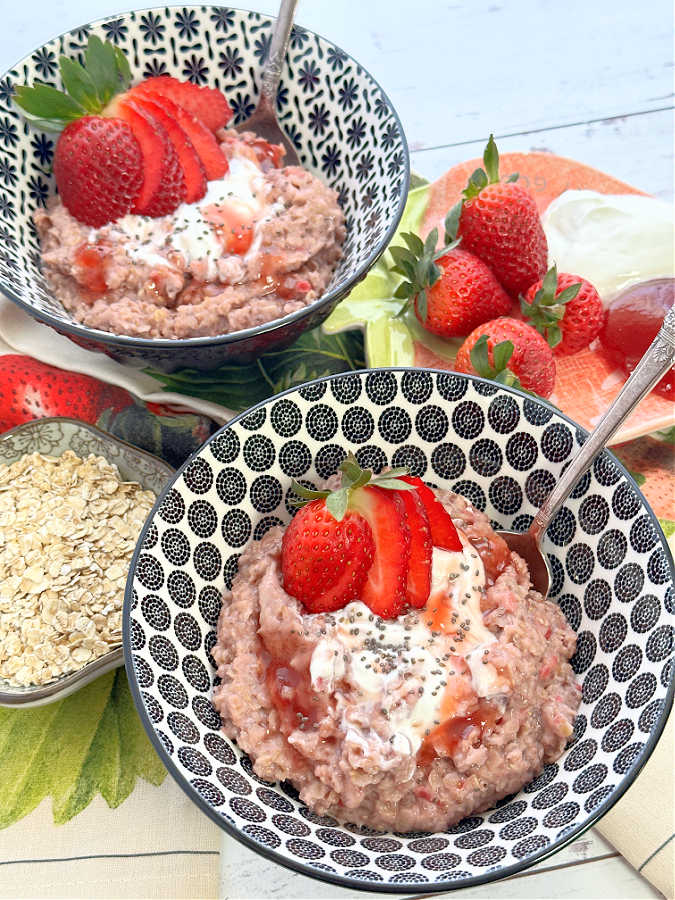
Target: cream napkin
[[642, 824], [157, 844], [21, 334]]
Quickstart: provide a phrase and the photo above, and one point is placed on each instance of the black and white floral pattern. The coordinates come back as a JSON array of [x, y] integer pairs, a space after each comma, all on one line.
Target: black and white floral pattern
[[612, 576], [343, 126]]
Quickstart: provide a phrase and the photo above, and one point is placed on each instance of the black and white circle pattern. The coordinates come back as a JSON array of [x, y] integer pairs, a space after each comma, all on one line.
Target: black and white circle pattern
[[337, 117], [612, 577]]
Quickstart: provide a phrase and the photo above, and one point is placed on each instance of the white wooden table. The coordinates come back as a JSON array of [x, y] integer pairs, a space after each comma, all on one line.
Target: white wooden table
[[589, 80]]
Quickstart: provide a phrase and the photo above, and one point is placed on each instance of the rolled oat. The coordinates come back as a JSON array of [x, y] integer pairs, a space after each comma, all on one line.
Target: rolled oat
[[68, 528]]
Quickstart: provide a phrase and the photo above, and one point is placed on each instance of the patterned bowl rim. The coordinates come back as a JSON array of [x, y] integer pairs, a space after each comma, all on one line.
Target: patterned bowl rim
[[122, 341], [304, 868], [41, 694]]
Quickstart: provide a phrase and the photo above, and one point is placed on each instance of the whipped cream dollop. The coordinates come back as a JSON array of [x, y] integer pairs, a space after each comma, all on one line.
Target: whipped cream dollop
[[405, 666], [188, 230], [613, 240]]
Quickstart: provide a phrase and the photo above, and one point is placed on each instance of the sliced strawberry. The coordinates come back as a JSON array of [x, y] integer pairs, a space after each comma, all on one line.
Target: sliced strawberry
[[421, 547], [207, 147], [193, 170], [443, 532], [163, 186], [207, 104], [385, 590]]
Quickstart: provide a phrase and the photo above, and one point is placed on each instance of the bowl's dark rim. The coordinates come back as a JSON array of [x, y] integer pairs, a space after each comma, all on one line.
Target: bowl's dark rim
[[343, 881], [23, 698], [135, 343]]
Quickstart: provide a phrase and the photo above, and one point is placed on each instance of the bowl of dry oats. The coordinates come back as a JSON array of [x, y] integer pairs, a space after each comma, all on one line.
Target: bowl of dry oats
[[73, 501]]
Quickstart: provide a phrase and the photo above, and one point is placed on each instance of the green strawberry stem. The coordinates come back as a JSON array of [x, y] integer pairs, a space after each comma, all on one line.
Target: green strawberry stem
[[498, 371], [547, 309], [353, 477], [88, 88], [417, 263], [489, 175]]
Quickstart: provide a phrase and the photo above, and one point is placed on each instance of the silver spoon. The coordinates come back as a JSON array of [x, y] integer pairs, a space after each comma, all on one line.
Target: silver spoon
[[264, 119], [652, 367]]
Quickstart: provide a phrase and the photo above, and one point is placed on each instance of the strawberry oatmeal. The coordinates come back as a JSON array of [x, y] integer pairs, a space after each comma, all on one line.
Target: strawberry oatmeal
[[405, 698], [166, 223], [263, 242]]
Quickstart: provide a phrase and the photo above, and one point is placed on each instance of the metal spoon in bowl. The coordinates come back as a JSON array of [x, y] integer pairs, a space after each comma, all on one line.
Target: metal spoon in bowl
[[652, 367], [264, 119]]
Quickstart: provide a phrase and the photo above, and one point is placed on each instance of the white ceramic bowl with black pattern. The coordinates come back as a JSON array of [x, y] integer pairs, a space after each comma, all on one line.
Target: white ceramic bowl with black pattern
[[612, 576], [341, 122]]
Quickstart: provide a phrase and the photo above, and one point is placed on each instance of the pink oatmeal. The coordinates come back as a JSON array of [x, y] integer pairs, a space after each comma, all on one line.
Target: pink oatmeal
[[407, 724], [262, 243]]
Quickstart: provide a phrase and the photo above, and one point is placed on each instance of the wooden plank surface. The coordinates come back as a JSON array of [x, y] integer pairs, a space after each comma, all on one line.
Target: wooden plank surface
[[588, 80], [589, 868], [592, 81]]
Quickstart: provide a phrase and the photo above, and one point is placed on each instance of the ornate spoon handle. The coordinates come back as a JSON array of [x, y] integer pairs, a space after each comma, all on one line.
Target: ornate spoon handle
[[651, 368], [277, 53]]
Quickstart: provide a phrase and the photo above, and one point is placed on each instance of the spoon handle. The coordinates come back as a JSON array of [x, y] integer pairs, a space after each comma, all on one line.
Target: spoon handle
[[651, 368], [277, 52]]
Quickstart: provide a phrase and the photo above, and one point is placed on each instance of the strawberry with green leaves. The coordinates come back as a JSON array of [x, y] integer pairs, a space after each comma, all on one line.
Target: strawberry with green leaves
[[499, 222], [369, 540], [566, 309], [125, 149], [452, 291], [509, 352]]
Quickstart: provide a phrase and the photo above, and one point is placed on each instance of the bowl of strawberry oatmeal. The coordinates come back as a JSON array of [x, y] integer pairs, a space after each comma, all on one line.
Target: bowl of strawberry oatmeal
[[342, 664], [149, 226]]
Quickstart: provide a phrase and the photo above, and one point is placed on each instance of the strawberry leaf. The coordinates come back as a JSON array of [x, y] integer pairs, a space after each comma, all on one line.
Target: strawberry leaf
[[79, 84], [477, 181], [550, 282], [421, 305], [46, 103], [514, 177], [568, 294], [308, 493], [101, 63], [336, 503], [553, 335], [491, 160], [350, 468], [501, 354], [479, 357], [123, 69], [452, 222], [392, 484], [414, 243], [431, 241], [403, 291]]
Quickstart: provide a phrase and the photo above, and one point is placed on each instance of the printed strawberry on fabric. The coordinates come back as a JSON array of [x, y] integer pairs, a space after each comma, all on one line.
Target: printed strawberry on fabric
[[30, 389]]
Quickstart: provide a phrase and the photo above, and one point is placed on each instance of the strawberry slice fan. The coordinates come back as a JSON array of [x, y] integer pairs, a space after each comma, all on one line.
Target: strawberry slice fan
[[142, 150], [376, 537]]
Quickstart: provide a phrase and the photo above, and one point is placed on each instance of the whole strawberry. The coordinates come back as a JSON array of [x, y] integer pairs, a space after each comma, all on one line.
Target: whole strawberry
[[566, 309], [510, 352], [30, 389], [499, 223], [452, 291]]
